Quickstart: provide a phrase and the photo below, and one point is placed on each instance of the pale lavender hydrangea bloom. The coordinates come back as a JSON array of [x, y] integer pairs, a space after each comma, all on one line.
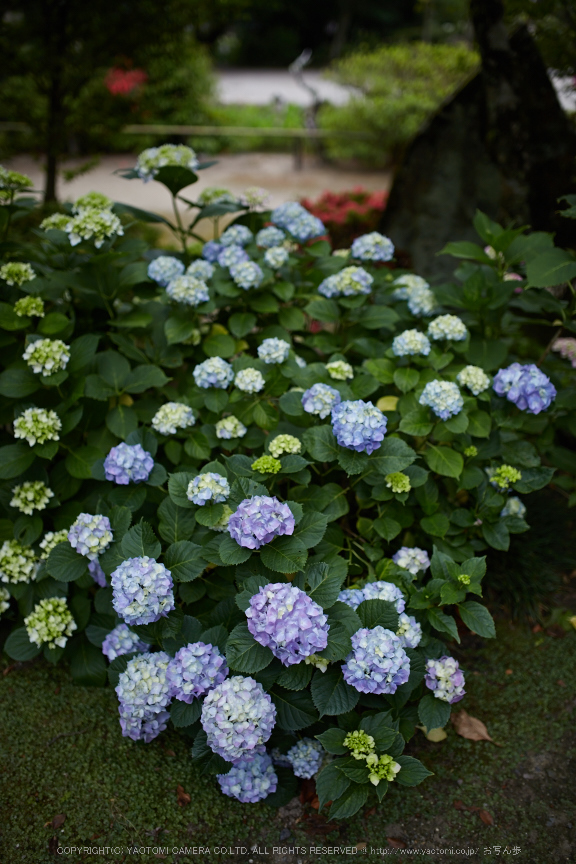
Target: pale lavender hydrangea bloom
[[121, 641], [268, 237], [214, 372], [250, 779], [385, 591], [236, 235], [200, 269], [165, 268], [348, 282], [276, 257], [211, 250], [372, 247], [294, 218], [320, 399], [306, 757], [412, 559], [359, 426], [97, 573], [144, 696], [90, 535], [526, 386], [445, 678], [352, 597], [231, 255], [409, 631], [208, 487], [247, 274], [237, 716], [128, 463], [274, 350], [377, 663], [443, 397], [196, 669], [286, 620], [258, 520], [142, 590]]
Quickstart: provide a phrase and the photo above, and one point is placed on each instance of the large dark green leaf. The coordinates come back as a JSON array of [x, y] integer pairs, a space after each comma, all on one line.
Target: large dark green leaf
[[244, 654], [331, 694], [284, 555], [295, 708], [477, 618], [183, 560], [412, 771], [433, 713], [444, 461], [140, 541], [19, 647], [14, 460], [65, 564], [331, 783], [378, 613], [321, 443], [349, 802], [87, 664]]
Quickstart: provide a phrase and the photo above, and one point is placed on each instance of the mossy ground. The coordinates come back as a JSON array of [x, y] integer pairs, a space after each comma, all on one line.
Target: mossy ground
[[62, 753]]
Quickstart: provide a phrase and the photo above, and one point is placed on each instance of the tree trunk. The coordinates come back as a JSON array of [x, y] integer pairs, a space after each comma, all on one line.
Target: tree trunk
[[55, 22]]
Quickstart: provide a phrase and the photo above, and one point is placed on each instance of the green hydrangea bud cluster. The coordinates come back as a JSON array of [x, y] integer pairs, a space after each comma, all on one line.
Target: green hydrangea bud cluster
[[31, 307], [464, 579], [315, 660], [31, 495], [339, 370], [47, 356], [59, 221], [382, 768], [216, 195], [50, 540], [17, 562], [4, 600], [37, 426], [16, 273], [50, 623], [13, 181], [360, 744], [504, 476], [100, 225], [267, 465], [92, 201], [284, 444], [398, 482], [471, 451]]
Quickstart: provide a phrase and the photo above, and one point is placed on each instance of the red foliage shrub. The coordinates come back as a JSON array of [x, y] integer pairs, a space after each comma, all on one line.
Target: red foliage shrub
[[348, 215], [123, 82]]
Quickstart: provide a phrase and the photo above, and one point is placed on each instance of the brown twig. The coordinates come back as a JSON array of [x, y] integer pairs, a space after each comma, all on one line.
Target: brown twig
[[67, 735]]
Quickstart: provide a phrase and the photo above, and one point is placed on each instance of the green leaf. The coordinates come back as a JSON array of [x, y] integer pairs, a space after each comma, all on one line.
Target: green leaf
[[82, 351], [324, 584], [87, 664], [284, 555], [496, 535], [139, 541], [231, 552], [406, 379], [457, 424], [339, 644], [381, 369], [291, 404], [436, 525], [533, 479], [244, 654], [175, 177], [219, 345], [354, 769], [417, 423], [393, 455], [479, 424], [296, 677], [143, 378], [183, 560], [18, 383], [241, 323], [323, 310], [331, 694], [209, 514], [332, 741], [343, 614], [552, 267], [178, 329], [465, 249], [387, 528], [444, 461], [79, 462], [321, 443], [14, 460], [64, 564], [178, 487], [378, 613], [19, 647], [295, 708], [121, 421], [331, 783], [217, 635], [412, 772], [380, 727], [265, 416], [477, 618], [443, 623], [349, 802], [351, 461], [209, 762], [433, 713], [183, 714]]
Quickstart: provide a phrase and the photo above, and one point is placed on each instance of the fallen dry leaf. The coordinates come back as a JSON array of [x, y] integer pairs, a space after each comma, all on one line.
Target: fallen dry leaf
[[370, 812], [183, 797], [170, 752], [459, 805], [509, 672], [360, 846], [470, 727], [486, 817], [396, 844], [53, 844], [58, 821], [561, 683], [315, 803]]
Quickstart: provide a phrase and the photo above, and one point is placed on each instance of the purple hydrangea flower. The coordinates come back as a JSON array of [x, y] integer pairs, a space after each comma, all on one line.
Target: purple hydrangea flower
[[97, 573], [237, 716], [250, 779], [236, 235], [352, 597], [409, 631], [306, 757], [120, 641], [214, 372], [128, 463], [195, 670], [385, 591], [142, 590], [144, 695], [526, 386], [90, 535], [445, 678], [359, 426], [211, 250], [443, 397], [258, 520], [412, 559], [320, 399], [377, 663], [294, 218], [283, 618]]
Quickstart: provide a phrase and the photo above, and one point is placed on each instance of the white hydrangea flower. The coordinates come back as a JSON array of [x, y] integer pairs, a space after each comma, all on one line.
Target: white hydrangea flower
[[274, 350], [284, 444], [31, 307], [57, 221], [422, 302], [17, 563], [98, 224], [230, 427], [447, 327], [201, 269], [152, 159], [31, 495], [276, 257], [50, 623], [4, 600], [339, 370], [171, 417], [474, 378], [406, 284], [188, 290], [249, 380], [37, 426], [254, 197], [92, 201], [46, 356], [50, 540], [16, 273], [411, 342]]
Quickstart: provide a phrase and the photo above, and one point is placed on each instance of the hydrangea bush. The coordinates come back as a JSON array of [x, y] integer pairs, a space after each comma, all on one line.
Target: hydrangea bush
[[271, 496]]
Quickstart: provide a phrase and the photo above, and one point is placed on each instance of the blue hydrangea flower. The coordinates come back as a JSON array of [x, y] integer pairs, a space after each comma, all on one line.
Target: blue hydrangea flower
[[377, 663], [443, 397], [236, 235], [412, 559], [214, 372], [372, 247], [209, 487], [273, 350], [90, 535], [385, 591], [514, 507], [142, 590], [404, 285], [211, 250], [352, 597], [128, 463], [188, 290], [421, 301], [97, 573], [152, 159], [195, 670], [121, 641], [286, 620], [201, 270], [409, 631], [247, 274], [445, 678], [276, 257], [306, 757], [347, 283], [258, 520], [250, 779], [320, 399], [526, 386], [165, 268], [411, 342], [294, 218], [271, 236], [237, 716], [359, 426], [231, 255], [144, 695]]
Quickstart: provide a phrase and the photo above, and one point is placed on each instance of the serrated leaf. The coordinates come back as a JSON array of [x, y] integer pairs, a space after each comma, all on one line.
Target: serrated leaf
[[443, 623], [332, 741], [349, 802], [321, 443], [434, 713], [296, 677], [231, 552], [284, 555], [183, 560], [477, 618], [140, 541], [311, 528], [175, 523], [345, 615], [184, 714], [64, 563], [380, 727], [217, 635], [444, 461], [339, 644], [177, 488], [331, 694], [244, 654], [412, 771], [331, 784], [378, 613], [324, 584], [295, 708]]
